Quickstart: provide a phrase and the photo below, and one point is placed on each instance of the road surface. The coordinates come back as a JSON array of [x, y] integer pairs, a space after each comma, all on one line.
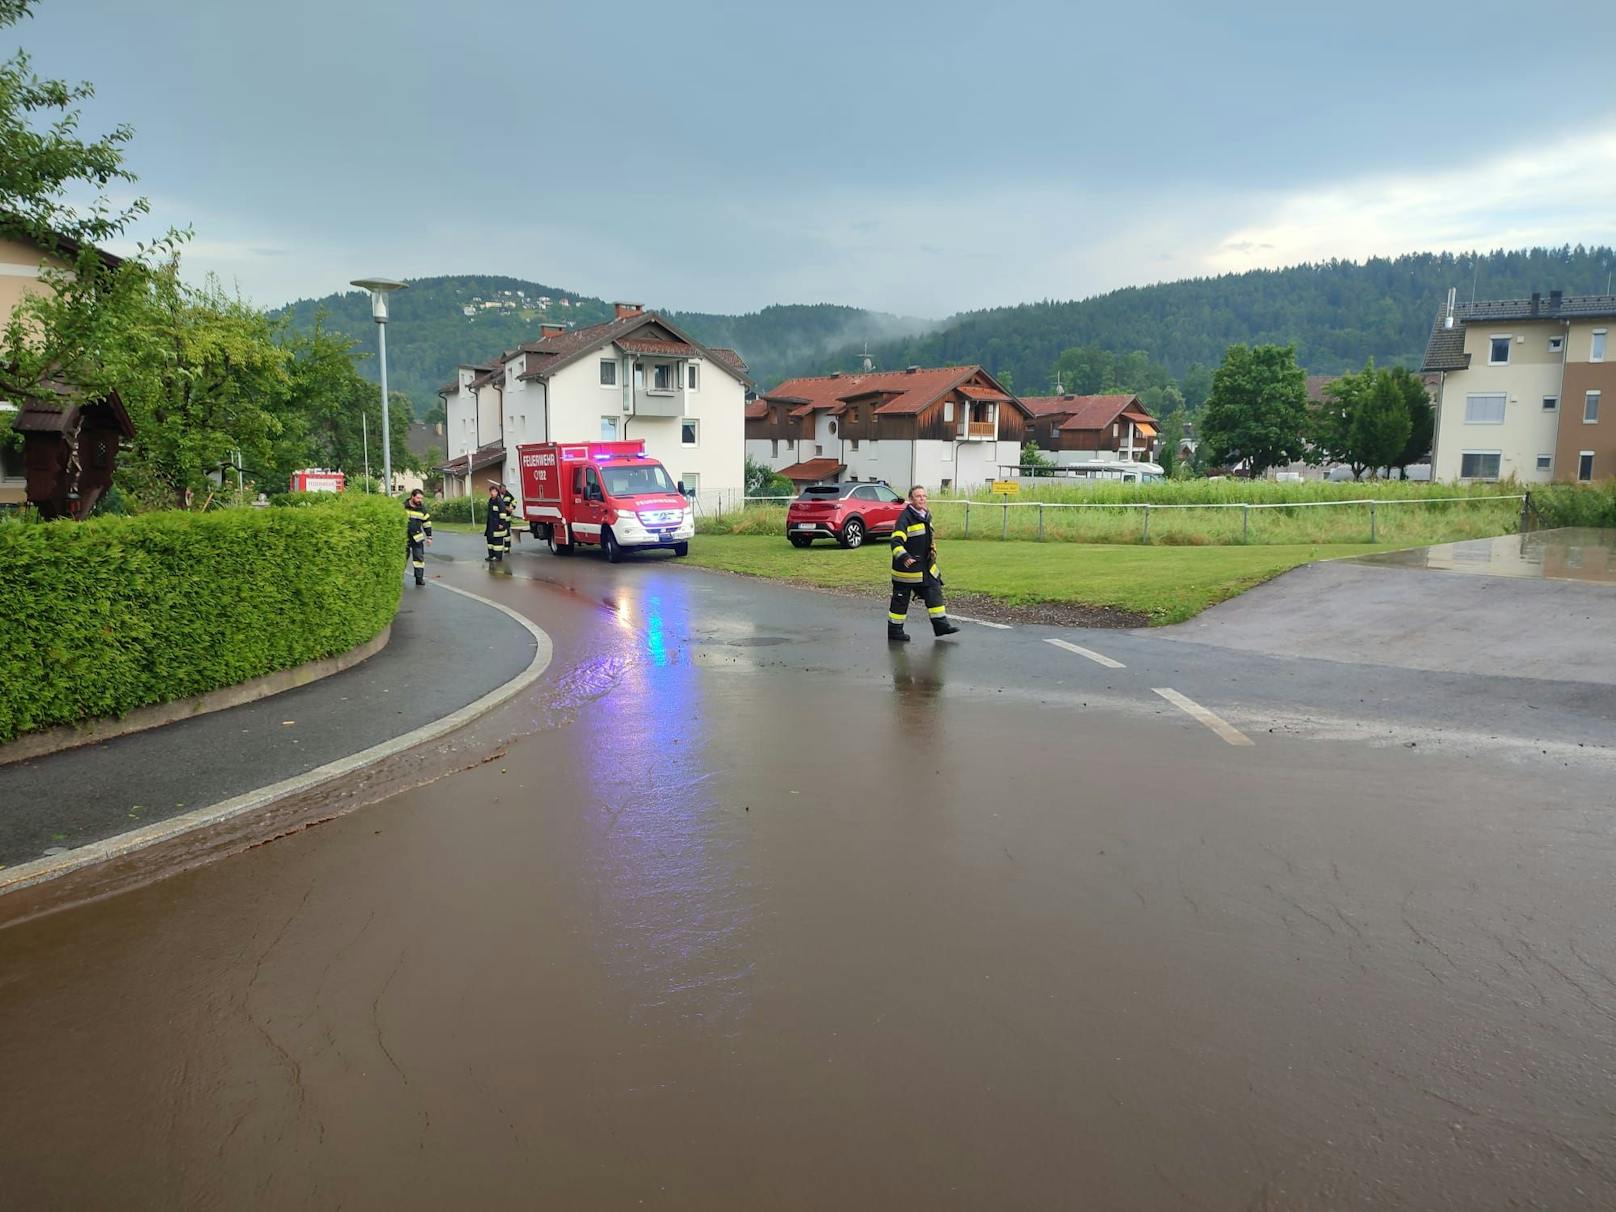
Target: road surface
[[745, 910]]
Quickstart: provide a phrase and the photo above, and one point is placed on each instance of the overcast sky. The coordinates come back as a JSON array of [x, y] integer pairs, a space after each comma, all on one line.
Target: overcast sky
[[923, 158]]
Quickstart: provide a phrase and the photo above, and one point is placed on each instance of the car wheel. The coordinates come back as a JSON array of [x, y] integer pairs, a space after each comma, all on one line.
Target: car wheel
[[799, 540], [853, 533], [614, 550], [681, 549]]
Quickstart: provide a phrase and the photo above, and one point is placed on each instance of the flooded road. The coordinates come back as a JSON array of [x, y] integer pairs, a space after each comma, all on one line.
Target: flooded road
[[746, 911]]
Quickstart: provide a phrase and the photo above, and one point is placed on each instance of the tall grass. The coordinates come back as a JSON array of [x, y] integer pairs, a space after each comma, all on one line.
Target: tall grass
[[1405, 519], [1231, 492]]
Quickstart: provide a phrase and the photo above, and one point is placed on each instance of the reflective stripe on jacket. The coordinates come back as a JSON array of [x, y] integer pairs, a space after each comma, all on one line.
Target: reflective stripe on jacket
[[420, 523], [912, 541]]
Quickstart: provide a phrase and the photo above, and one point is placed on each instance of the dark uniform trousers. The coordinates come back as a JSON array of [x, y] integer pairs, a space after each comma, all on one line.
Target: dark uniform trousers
[[420, 523], [914, 571]]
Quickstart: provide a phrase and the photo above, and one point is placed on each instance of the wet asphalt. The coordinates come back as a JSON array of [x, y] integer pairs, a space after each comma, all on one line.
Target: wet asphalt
[[445, 651], [746, 910]]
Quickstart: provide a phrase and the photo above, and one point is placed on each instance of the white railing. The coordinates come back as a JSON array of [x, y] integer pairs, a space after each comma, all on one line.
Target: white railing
[[1146, 508]]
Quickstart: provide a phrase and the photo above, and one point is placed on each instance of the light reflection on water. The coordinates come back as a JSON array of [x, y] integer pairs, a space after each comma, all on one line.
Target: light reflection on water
[[666, 873]]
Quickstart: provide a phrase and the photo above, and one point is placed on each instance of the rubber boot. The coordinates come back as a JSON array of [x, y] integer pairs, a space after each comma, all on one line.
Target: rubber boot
[[941, 626], [896, 634]]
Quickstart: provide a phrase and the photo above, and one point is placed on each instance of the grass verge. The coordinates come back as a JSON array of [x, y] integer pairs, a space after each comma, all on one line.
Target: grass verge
[[1160, 584]]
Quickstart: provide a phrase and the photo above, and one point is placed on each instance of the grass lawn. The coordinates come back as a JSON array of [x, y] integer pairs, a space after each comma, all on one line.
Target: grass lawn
[[1167, 584]]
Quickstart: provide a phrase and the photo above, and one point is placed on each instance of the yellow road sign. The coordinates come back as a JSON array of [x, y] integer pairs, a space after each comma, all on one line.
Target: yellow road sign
[[1010, 488]]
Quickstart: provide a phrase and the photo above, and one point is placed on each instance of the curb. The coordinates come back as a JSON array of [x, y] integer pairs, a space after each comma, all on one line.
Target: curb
[[155, 715], [39, 871]]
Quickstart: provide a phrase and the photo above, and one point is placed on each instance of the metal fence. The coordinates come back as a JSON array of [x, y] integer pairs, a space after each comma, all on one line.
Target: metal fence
[[984, 511]]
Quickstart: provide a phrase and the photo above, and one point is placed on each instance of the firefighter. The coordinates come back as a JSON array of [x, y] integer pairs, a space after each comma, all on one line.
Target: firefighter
[[498, 526], [509, 501], [914, 570], [419, 537]]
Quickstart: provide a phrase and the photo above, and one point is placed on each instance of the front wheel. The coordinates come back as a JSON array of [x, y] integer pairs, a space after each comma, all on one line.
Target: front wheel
[[681, 549], [614, 550], [853, 533]]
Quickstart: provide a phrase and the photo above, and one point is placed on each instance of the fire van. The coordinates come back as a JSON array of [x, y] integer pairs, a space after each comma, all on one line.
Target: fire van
[[605, 494]]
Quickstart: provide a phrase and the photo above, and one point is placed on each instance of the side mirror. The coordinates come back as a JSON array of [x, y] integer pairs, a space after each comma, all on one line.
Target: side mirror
[[681, 487]]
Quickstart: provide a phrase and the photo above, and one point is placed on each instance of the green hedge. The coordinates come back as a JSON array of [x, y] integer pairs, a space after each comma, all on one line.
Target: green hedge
[[100, 617]]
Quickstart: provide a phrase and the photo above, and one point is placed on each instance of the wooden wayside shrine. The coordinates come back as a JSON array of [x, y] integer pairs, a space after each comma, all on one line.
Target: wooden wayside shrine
[[70, 448]]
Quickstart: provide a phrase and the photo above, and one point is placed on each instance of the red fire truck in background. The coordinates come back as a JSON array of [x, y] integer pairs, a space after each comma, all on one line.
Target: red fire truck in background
[[315, 480], [605, 494]]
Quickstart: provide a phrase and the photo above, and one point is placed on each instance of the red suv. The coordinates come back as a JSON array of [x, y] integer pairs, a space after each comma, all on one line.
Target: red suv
[[848, 513]]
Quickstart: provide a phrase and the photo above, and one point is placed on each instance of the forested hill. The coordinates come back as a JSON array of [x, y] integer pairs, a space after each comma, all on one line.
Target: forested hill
[[1336, 314], [440, 323]]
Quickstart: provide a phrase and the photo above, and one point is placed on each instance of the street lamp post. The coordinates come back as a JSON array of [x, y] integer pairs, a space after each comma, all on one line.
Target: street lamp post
[[379, 289]]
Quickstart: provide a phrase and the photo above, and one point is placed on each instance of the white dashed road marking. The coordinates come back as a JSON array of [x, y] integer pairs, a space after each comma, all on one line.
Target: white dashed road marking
[[960, 618], [1213, 721], [1097, 658]]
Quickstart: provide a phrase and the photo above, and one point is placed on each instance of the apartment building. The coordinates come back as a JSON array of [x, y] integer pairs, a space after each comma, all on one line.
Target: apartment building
[[945, 427], [1526, 389], [1072, 429], [635, 376]]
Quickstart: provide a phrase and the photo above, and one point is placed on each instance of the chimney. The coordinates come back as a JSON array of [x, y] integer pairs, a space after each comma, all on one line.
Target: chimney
[[835, 374], [909, 370], [1453, 293], [551, 330], [1537, 301], [625, 310], [1554, 299]]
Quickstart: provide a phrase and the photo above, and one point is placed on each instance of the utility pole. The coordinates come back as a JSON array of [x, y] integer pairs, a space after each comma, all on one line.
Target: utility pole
[[379, 289]]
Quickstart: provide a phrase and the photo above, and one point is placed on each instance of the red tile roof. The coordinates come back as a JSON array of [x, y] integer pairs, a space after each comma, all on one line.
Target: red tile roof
[[1087, 412], [728, 356], [813, 469], [563, 348], [484, 456], [635, 345], [912, 391], [756, 410]]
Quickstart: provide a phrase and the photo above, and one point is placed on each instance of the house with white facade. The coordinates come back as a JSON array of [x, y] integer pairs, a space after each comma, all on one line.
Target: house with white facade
[[1523, 387], [635, 376], [945, 427]]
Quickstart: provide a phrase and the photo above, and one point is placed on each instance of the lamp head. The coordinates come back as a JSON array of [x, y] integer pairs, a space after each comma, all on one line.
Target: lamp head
[[379, 289]]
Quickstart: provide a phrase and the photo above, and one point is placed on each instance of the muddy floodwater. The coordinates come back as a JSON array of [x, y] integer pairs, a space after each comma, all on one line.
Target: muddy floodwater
[[727, 923]]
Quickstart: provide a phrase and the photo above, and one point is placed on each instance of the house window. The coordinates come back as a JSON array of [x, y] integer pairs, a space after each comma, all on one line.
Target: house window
[[639, 376], [608, 429], [692, 482], [948, 412], [1545, 462], [692, 377], [855, 443], [1485, 410], [1498, 351], [1551, 403], [1590, 408], [689, 432], [1556, 344], [1596, 346], [1585, 466], [1479, 464], [608, 373], [662, 377], [774, 448], [791, 445]]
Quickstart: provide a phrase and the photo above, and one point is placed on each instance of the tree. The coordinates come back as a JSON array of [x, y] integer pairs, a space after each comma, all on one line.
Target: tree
[[1196, 385], [44, 161], [763, 481], [1172, 433], [1257, 409], [1035, 461], [1421, 419], [1380, 425]]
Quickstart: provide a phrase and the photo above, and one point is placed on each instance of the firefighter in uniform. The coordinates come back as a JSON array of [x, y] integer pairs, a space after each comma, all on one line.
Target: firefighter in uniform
[[497, 529], [914, 570], [420, 533], [509, 502]]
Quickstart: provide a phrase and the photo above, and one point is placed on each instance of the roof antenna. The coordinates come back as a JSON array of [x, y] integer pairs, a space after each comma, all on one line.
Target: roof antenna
[[868, 363], [1059, 390], [1475, 272]]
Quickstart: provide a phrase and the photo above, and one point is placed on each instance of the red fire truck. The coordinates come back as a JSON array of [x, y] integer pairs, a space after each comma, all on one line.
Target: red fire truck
[[315, 480], [605, 494]]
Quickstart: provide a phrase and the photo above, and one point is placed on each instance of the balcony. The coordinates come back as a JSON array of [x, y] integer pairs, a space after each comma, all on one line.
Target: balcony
[[978, 431]]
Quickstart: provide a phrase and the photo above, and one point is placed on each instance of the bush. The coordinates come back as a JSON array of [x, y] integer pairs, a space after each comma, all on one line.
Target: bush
[[1575, 504], [104, 616], [456, 509]]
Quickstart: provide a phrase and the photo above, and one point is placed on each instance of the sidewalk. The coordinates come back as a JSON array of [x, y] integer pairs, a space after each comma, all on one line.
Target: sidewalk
[[447, 650]]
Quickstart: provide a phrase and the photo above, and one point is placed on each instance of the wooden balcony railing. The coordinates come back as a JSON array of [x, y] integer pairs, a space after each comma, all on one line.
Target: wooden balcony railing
[[979, 429]]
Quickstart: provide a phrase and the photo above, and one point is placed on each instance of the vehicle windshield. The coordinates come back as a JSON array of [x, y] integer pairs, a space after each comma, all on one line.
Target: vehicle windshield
[[636, 481]]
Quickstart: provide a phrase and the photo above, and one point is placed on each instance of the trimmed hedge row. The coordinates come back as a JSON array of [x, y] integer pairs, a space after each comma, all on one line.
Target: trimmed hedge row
[[102, 616]]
